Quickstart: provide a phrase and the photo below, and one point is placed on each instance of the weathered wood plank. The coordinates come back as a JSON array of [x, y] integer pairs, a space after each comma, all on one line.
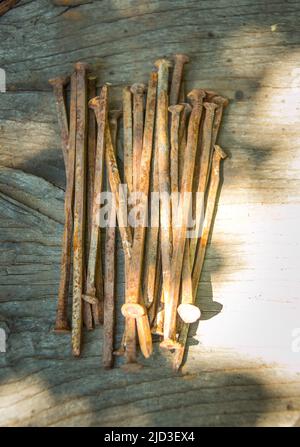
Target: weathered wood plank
[[249, 290]]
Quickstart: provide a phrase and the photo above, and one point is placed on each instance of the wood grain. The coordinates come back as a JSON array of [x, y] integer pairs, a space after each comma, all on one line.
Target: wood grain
[[249, 289]]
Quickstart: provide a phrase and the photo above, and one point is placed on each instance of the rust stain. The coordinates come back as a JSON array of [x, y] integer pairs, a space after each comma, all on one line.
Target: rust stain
[[74, 15], [69, 2]]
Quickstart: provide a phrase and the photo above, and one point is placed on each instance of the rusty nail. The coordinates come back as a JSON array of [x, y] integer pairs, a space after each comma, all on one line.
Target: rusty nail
[[218, 155], [175, 111], [179, 61], [129, 332], [90, 309], [133, 306], [110, 266], [97, 308], [182, 139], [114, 116], [186, 309], [119, 352], [174, 172], [155, 294], [205, 157], [164, 190], [181, 98], [209, 95], [221, 103], [91, 153], [61, 323], [158, 323], [196, 96], [162, 66], [152, 264], [127, 129], [58, 85], [115, 185], [79, 206], [100, 105], [147, 146], [130, 329], [137, 91], [6, 5], [130, 337]]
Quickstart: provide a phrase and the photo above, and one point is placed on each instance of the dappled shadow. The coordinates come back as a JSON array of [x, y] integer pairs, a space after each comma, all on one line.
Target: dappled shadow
[[56, 389], [234, 49]]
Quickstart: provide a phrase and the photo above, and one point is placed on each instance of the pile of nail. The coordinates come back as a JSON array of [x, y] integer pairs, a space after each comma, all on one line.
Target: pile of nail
[[165, 175]]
